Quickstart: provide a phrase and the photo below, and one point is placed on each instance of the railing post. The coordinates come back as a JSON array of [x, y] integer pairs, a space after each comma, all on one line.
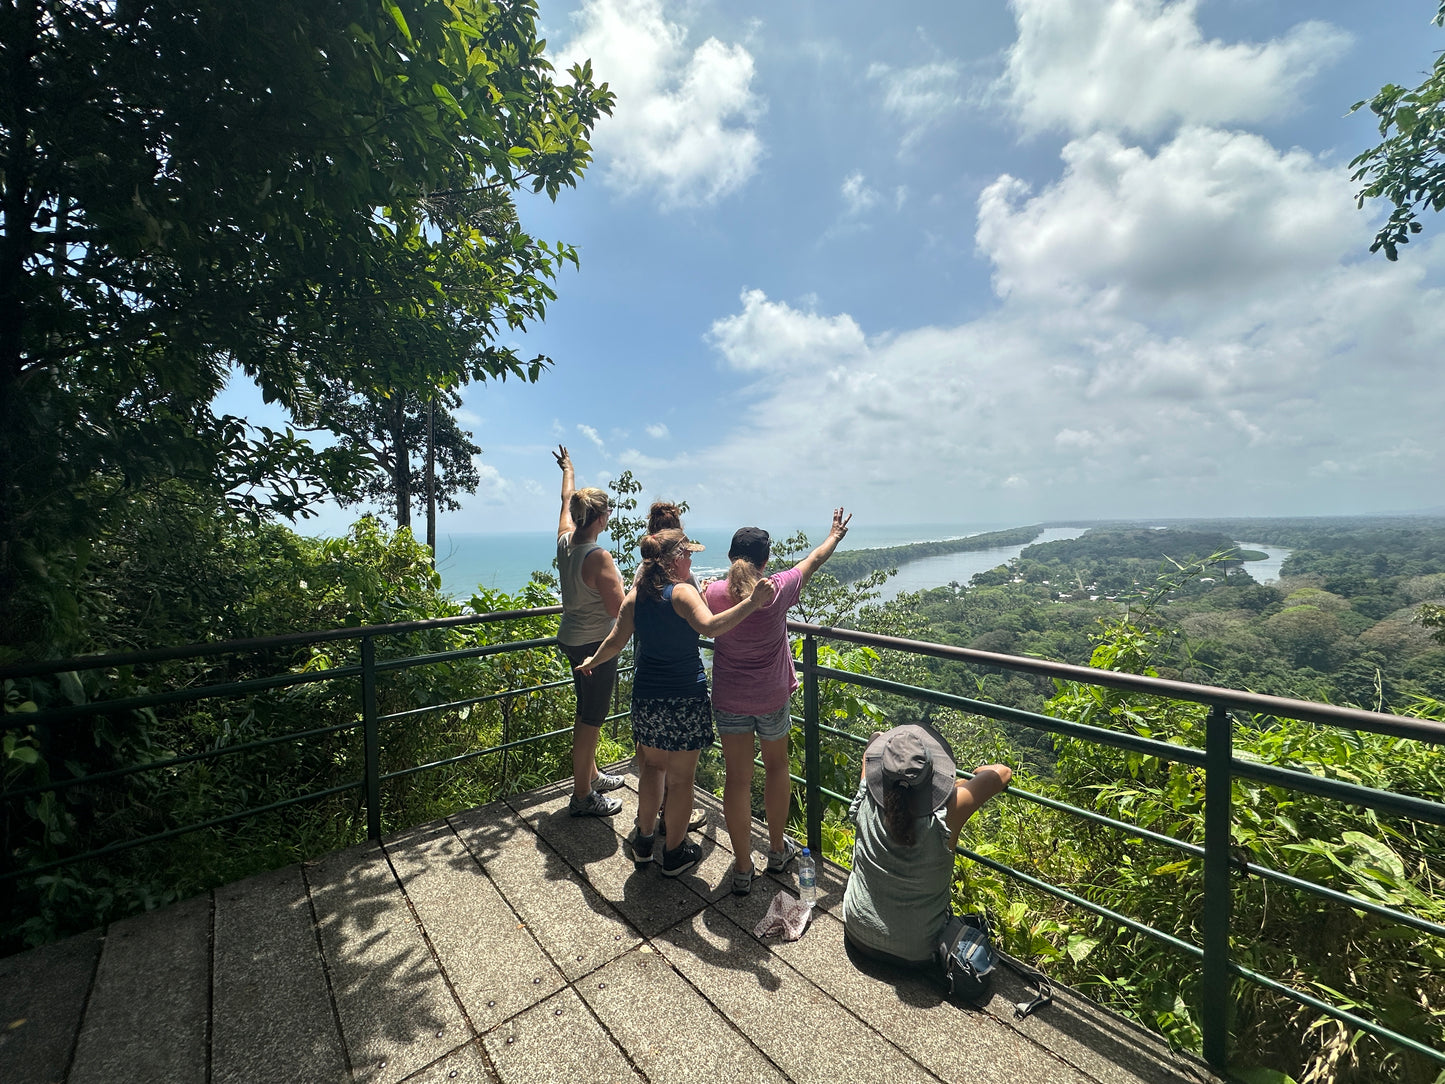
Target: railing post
[[1218, 816], [812, 754], [371, 743]]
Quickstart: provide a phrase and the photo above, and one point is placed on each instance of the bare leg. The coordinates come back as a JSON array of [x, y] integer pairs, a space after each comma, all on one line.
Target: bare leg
[[681, 771], [584, 758], [738, 797], [777, 790], [649, 787]]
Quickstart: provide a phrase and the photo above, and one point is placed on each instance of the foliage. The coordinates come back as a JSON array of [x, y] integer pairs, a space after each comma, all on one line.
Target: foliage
[[1407, 166], [250, 582], [314, 195]]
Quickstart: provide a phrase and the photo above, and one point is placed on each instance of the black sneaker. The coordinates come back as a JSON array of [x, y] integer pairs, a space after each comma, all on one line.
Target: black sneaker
[[675, 863], [644, 849]]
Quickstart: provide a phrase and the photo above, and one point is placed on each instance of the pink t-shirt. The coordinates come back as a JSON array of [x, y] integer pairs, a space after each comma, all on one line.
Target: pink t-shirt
[[752, 666]]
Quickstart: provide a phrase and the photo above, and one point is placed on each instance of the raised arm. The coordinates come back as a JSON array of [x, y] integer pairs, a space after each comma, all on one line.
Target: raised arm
[[616, 639], [690, 606], [569, 486], [814, 561]]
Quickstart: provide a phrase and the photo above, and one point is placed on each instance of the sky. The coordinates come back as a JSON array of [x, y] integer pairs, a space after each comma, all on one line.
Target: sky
[[977, 261]]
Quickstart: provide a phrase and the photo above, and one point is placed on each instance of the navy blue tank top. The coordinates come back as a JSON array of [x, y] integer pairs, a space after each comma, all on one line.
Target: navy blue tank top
[[668, 660]]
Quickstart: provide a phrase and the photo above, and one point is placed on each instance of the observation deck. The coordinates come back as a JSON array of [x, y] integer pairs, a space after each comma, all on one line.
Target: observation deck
[[516, 943]]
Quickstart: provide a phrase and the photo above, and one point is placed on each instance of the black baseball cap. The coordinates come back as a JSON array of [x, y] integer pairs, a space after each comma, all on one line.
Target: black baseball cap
[[754, 543]]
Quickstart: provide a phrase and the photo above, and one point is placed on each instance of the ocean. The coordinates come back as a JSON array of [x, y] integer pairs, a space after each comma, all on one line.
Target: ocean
[[505, 561]]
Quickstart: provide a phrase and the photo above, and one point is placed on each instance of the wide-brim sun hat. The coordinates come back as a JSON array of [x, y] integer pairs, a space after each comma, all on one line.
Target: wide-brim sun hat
[[916, 757]]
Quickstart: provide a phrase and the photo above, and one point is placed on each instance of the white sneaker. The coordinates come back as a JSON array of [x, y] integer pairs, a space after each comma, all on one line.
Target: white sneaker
[[594, 805], [605, 782]]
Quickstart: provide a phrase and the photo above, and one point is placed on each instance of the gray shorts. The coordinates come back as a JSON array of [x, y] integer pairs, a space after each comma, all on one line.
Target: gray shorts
[[769, 727]]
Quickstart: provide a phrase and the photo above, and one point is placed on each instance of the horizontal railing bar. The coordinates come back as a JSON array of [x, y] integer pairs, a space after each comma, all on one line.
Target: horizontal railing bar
[[209, 754], [116, 848], [1402, 804], [400, 772], [1343, 1015], [263, 643], [1336, 896], [452, 705], [1088, 905], [176, 696], [1183, 754], [1232, 699], [464, 653]]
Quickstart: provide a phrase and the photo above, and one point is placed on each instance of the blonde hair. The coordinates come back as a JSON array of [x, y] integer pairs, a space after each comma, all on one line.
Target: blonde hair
[[664, 516], [743, 576], [586, 506], [659, 552]]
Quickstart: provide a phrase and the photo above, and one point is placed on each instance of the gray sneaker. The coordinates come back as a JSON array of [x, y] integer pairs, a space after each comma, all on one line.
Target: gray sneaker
[[778, 860], [594, 805], [605, 782], [743, 882]]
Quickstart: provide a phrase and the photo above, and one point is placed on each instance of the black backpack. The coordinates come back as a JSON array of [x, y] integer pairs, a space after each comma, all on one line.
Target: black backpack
[[969, 959]]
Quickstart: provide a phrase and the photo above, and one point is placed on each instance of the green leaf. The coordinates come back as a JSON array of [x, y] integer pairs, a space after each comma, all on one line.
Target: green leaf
[[391, 8], [71, 687], [445, 96]]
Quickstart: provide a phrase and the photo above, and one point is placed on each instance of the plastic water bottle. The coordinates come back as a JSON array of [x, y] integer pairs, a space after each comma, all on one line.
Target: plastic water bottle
[[807, 878]]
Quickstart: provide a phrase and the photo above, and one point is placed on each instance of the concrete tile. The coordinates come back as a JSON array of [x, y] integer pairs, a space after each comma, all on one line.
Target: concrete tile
[[648, 900], [396, 1012], [666, 1027], [271, 1018], [558, 1040], [42, 994], [465, 1065], [493, 963], [137, 1028], [575, 926], [804, 1032]]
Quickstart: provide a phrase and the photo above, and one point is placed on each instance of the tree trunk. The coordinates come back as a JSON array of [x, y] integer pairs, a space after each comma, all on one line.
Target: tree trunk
[[431, 479], [401, 461]]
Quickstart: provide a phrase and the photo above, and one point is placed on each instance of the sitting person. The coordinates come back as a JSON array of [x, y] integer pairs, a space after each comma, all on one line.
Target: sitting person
[[909, 810]]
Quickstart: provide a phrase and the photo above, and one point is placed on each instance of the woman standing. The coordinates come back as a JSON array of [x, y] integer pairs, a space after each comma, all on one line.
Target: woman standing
[[591, 599], [752, 683], [909, 810], [671, 714]]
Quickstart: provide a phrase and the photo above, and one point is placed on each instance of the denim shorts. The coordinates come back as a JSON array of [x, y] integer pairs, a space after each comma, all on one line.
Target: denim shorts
[[769, 727]]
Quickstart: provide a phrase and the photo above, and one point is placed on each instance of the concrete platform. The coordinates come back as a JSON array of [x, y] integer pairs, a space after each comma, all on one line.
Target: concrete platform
[[517, 944]]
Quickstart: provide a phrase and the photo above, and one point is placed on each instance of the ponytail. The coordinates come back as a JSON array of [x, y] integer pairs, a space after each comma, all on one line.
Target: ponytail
[[898, 816], [743, 575], [586, 506]]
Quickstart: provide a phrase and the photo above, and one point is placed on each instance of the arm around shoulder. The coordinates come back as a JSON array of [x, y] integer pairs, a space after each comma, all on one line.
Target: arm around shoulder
[[691, 607]]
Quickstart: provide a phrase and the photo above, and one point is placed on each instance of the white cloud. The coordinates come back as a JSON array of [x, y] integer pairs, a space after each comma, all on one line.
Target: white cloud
[[921, 97], [773, 336], [492, 488], [1143, 66], [658, 431], [858, 197], [683, 123], [1211, 218], [592, 435]]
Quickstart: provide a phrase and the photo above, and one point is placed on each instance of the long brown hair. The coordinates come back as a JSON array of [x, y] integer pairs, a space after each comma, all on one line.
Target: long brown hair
[[898, 816], [659, 551]]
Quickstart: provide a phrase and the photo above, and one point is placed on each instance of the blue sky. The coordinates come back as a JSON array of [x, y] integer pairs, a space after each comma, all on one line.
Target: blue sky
[[978, 262]]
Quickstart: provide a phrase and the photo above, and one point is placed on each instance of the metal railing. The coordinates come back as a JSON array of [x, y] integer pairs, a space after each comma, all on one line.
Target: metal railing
[[1216, 759], [1221, 767]]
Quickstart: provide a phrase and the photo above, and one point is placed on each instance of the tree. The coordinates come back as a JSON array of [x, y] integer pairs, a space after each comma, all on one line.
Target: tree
[[1407, 167], [393, 433], [315, 194]]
